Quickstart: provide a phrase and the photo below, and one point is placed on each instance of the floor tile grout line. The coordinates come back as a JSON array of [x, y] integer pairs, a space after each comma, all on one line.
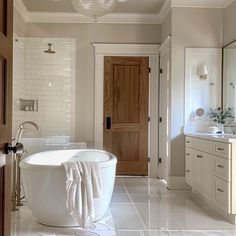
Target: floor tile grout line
[[135, 206], [216, 224]]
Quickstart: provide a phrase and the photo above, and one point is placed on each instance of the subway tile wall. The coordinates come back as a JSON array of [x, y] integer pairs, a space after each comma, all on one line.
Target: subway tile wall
[[18, 76], [50, 80]]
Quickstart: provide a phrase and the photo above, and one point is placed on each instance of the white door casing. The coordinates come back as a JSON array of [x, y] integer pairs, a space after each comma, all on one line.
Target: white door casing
[[164, 110], [150, 50]]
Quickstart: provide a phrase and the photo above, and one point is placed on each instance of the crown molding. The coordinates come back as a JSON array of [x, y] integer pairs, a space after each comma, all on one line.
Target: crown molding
[[20, 7], [50, 17], [165, 9], [62, 17], [201, 3]]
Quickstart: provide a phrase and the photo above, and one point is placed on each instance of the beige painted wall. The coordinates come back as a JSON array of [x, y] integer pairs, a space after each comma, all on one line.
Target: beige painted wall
[[18, 24], [191, 27], [229, 23], [85, 35], [166, 27]]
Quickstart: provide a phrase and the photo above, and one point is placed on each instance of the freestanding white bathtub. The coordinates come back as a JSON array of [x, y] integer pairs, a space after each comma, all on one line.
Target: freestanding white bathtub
[[44, 183]]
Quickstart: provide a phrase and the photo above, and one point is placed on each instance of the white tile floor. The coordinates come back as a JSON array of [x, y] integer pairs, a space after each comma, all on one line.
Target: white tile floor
[[140, 206]]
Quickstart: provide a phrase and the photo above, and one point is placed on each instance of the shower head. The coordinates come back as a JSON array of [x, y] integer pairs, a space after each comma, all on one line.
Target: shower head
[[50, 51]]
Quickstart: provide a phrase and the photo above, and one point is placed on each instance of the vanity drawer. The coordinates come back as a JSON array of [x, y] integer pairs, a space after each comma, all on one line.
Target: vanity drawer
[[222, 149], [221, 168], [188, 141], [221, 194], [203, 145]]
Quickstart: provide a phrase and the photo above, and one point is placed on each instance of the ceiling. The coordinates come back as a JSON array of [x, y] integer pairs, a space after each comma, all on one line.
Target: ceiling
[[131, 6], [131, 11]]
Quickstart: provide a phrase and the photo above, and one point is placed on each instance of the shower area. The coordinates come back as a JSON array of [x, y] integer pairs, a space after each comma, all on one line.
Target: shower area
[[44, 92]]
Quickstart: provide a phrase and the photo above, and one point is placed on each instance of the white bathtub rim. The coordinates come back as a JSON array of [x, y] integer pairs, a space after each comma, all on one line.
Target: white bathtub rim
[[101, 164]]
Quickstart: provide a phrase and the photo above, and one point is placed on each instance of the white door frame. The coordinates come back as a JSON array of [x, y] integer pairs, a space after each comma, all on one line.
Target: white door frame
[[149, 50], [164, 52]]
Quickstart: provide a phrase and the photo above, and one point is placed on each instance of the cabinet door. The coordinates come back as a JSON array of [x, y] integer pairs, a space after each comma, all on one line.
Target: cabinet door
[[198, 170], [207, 177], [189, 155]]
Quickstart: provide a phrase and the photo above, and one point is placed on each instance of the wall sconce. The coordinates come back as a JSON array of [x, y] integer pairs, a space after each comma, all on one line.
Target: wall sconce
[[202, 72]]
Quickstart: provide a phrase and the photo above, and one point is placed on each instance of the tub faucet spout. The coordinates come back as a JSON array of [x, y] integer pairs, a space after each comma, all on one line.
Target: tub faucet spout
[[22, 128]]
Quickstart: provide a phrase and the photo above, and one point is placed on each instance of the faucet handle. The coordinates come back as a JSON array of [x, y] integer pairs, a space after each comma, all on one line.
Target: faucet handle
[[18, 148]]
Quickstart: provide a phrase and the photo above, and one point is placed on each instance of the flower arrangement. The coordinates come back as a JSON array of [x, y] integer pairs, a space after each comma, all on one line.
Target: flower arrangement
[[221, 116]]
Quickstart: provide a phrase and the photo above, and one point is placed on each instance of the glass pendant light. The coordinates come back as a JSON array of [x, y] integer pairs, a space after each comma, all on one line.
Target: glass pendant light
[[95, 8]]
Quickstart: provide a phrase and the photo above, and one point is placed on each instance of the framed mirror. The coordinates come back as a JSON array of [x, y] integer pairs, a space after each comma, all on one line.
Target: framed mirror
[[229, 76]]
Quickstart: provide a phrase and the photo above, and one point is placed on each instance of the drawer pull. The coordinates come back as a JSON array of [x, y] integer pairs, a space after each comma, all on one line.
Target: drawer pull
[[220, 149], [188, 171], [187, 141], [199, 156], [220, 190], [187, 154], [220, 166]]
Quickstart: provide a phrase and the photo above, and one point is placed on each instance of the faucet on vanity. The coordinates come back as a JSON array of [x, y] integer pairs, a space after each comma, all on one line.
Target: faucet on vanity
[[16, 186], [232, 128]]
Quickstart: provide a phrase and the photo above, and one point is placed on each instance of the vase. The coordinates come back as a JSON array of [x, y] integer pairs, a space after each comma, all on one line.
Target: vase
[[221, 128]]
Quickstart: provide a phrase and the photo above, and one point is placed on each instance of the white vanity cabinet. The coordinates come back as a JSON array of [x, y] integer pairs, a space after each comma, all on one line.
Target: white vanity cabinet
[[198, 166], [210, 169]]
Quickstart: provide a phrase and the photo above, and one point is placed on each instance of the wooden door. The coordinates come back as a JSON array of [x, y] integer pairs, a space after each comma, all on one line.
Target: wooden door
[[126, 83], [6, 46]]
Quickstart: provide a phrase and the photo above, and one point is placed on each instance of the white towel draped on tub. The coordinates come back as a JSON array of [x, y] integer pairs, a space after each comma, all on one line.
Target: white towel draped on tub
[[82, 185]]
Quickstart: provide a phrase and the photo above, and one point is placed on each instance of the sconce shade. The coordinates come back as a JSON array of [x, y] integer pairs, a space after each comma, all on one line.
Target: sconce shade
[[202, 72]]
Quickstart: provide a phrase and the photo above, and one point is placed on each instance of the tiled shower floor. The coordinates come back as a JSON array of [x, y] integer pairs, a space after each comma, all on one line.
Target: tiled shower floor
[[140, 206]]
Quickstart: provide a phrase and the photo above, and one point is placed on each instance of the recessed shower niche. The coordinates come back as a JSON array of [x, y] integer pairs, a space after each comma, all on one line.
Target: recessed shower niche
[[28, 105], [202, 83]]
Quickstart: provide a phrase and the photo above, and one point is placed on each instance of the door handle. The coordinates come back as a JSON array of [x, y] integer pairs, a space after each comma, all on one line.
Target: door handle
[[18, 148], [108, 122]]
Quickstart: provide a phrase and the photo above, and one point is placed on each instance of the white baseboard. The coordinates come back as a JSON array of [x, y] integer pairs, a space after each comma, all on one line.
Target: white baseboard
[[203, 200], [177, 182]]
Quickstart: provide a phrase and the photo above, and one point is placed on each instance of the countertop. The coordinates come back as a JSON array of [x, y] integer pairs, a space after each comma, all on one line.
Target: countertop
[[216, 137]]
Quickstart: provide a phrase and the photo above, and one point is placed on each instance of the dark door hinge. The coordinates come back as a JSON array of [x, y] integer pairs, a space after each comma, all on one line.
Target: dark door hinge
[[149, 70], [160, 119], [161, 71], [149, 118], [159, 160], [149, 159]]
